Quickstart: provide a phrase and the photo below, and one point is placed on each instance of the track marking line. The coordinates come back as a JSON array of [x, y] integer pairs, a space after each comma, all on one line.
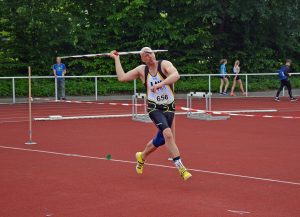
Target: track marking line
[[155, 165], [56, 117], [238, 212], [267, 116], [80, 117]]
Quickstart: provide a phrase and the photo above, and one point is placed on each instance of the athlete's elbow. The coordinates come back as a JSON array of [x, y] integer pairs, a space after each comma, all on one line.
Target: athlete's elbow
[[122, 79], [177, 77]]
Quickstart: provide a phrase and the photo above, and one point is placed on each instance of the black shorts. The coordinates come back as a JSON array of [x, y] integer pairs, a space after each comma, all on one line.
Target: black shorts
[[237, 77], [161, 115], [223, 77]]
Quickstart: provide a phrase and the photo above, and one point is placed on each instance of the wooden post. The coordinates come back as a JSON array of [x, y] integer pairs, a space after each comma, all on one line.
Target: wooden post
[[30, 142]]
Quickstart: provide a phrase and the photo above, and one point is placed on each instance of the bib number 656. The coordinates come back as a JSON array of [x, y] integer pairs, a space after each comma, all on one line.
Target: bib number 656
[[162, 98]]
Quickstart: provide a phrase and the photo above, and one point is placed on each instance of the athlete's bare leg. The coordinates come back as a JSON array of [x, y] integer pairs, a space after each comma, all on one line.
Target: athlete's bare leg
[[221, 86], [227, 84], [233, 86], [148, 150], [170, 143], [241, 86]]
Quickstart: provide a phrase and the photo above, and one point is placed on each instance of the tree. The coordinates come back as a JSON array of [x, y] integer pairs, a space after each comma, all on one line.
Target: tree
[[197, 33]]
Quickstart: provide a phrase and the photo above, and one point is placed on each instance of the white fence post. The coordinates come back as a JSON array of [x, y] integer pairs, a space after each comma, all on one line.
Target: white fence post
[[209, 84], [14, 90], [55, 88], [134, 87], [96, 89], [246, 85]]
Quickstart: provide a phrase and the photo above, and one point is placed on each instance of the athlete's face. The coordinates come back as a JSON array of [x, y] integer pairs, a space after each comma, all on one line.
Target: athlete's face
[[148, 57]]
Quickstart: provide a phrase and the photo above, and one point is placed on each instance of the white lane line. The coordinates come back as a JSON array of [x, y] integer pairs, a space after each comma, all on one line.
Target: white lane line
[[267, 116], [238, 212], [156, 165], [79, 117], [250, 110]]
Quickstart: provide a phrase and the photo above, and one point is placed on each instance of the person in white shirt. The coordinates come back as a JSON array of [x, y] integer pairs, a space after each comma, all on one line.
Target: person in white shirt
[[237, 78]]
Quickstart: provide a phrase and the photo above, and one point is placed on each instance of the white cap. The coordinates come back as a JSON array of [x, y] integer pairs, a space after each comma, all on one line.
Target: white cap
[[146, 50]]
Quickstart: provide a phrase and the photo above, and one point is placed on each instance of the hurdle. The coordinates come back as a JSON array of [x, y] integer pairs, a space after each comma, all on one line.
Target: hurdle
[[198, 114], [142, 117]]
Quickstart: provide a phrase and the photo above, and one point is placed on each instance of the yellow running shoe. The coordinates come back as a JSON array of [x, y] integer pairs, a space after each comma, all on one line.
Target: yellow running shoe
[[184, 173], [139, 163]]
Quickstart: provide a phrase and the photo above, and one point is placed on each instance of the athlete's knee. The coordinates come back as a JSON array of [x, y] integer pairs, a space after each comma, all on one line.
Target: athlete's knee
[[168, 135], [150, 144], [158, 140]]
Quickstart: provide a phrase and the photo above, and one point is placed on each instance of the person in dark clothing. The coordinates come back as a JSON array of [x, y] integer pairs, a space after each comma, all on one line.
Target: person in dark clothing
[[284, 73]]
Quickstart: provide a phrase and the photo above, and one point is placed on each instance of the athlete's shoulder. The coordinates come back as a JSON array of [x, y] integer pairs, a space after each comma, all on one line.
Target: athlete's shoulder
[[141, 68], [166, 64]]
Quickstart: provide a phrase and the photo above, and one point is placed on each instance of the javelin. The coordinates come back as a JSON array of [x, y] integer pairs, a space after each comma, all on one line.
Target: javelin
[[107, 54]]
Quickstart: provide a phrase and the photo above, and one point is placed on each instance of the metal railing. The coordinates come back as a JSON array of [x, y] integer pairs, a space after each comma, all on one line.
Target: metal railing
[[209, 76]]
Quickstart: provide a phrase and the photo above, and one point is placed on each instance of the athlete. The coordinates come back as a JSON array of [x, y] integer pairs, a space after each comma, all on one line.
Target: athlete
[[158, 78]]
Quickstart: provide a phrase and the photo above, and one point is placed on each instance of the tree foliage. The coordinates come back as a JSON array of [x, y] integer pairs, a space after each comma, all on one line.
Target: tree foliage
[[260, 33]]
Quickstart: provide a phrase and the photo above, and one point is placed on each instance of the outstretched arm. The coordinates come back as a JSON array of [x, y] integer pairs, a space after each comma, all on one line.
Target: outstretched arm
[[122, 76]]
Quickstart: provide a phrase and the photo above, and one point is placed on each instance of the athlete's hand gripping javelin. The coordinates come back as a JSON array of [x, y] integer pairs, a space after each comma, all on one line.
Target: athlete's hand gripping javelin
[[114, 54]]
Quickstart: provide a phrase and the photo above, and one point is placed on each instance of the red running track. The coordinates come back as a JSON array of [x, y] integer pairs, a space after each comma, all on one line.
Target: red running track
[[263, 153], [19, 112]]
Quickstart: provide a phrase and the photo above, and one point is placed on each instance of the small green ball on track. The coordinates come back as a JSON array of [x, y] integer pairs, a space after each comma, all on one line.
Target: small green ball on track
[[108, 156]]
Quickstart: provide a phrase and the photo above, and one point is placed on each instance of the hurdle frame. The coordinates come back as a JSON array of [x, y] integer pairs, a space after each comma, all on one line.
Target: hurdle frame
[[202, 115], [144, 117]]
